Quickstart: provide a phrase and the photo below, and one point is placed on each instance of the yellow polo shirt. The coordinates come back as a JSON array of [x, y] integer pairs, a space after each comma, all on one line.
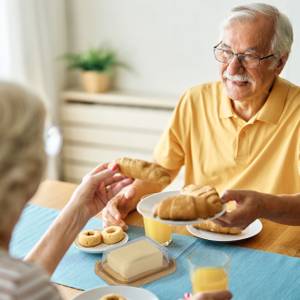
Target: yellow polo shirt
[[218, 148]]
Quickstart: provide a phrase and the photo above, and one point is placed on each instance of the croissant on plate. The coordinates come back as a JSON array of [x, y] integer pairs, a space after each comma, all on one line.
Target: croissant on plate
[[213, 227], [195, 190], [141, 169], [186, 207]]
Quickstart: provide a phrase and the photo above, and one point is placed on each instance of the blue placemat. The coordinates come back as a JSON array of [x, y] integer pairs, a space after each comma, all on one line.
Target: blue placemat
[[254, 274], [76, 268]]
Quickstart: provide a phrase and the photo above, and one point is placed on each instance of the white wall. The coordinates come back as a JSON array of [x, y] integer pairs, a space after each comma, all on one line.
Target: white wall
[[168, 43]]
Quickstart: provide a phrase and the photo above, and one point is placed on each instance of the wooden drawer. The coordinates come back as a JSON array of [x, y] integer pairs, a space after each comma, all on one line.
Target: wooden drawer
[[107, 136], [95, 155], [96, 132], [116, 117]]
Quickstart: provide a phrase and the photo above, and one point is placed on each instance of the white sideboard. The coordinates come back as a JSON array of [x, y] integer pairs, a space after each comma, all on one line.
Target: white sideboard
[[102, 127]]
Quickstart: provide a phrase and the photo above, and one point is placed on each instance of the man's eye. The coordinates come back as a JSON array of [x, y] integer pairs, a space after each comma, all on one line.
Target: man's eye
[[227, 53], [249, 57]]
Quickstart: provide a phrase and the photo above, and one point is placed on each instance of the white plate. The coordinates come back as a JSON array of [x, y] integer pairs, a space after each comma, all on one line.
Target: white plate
[[253, 229], [101, 247], [146, 208], [129, 292]]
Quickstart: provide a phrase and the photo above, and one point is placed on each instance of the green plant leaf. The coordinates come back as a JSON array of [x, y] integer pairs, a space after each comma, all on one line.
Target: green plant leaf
[[94, 59]]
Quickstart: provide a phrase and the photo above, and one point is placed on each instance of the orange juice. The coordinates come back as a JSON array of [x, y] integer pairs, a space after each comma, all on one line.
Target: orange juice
[[206, 279], [159, 232]]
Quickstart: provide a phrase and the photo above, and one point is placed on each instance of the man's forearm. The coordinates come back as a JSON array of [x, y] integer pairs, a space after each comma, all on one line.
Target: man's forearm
[[283, 209], [143, 188]]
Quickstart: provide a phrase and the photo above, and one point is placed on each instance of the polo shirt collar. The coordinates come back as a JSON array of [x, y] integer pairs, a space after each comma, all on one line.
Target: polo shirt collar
[[273, 107], [226, 107], [271, 110]]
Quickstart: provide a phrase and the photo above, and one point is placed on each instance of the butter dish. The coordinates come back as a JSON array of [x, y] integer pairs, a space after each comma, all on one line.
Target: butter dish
[[140, 261]]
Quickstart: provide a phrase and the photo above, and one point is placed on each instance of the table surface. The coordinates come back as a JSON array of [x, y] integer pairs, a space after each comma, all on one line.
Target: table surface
[[274, 237]]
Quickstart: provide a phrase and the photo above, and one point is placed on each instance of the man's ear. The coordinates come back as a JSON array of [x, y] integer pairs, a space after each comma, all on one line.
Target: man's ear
[[281, 63]]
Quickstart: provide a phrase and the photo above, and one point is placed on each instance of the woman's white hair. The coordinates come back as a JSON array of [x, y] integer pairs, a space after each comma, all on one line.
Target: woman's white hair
[[22, 155], [283, 31]]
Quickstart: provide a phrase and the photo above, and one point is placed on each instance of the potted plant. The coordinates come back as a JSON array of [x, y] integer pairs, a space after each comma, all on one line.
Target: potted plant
[[97, 68]]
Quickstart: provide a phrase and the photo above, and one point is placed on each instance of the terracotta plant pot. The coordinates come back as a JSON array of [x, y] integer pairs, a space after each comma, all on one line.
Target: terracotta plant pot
[[95, 82]]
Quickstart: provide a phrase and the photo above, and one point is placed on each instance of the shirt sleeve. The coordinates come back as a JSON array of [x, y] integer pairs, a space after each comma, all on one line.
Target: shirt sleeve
[[170, 150], [24, 281]]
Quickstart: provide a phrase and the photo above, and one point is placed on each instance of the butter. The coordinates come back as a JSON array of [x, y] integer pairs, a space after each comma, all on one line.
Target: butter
[[135, 258]]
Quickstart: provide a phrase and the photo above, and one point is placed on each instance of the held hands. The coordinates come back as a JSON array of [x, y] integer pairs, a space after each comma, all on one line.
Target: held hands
[[249, 207], [118, 208], [97, 188], [149, 178]]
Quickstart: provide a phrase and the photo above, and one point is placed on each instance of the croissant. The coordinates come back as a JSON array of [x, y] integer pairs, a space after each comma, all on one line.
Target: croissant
[[195, 190], [140, 169], [211, 226], [186, 207]]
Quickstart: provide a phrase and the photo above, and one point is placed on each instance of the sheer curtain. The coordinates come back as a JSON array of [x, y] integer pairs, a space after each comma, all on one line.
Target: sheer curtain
[[32, 37]]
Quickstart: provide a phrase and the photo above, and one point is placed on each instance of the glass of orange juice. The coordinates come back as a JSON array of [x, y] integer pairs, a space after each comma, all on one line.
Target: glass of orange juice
[[157, 231], [209, 270]]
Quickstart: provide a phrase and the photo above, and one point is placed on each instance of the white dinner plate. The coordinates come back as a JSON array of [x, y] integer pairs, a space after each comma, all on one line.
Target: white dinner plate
[[146, 208], [129, 292], [101, 247], [253, 229]]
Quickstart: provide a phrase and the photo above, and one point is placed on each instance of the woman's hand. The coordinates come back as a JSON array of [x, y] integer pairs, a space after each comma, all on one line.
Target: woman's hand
[[97, 188]]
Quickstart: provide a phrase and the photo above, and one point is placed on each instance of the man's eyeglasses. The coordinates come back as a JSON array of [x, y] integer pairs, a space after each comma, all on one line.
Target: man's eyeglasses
[[247, 60]]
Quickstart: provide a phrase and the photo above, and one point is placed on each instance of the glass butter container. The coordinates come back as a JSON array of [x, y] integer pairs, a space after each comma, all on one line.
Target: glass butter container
[[141, 259]]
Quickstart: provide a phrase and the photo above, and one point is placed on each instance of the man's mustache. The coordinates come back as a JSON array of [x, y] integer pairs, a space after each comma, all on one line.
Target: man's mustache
[[237, 77]]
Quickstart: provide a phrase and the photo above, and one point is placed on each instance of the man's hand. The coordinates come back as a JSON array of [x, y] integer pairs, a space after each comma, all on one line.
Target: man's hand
[[124, 202], [249, 208], [222, 295], [118, 208]]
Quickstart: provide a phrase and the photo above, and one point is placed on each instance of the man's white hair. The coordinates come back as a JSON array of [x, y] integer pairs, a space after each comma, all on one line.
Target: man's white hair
[[22, 155], [283, 31]]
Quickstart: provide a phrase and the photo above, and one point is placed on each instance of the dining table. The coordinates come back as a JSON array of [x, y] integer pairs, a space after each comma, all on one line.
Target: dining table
[[274, 238]]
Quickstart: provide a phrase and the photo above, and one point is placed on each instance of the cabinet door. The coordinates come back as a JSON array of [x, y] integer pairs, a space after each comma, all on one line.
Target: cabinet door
[[96, 133], [116, 117]]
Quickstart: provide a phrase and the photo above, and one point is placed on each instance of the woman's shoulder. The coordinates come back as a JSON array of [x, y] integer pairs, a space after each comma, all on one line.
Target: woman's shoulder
[[22, 280]]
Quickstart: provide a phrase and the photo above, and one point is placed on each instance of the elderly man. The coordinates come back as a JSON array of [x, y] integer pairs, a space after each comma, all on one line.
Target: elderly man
[[242, 132]]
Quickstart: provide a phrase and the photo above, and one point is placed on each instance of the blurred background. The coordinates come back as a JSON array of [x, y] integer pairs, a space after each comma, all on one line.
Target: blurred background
[[165, 45]]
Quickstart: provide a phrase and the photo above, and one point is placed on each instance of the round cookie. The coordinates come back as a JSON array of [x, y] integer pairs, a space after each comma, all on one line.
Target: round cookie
[[89, 238], [112, 297], [112, 234]]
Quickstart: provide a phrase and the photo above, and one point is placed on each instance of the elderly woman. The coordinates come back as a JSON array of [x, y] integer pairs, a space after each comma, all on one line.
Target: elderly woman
[[22, 162]]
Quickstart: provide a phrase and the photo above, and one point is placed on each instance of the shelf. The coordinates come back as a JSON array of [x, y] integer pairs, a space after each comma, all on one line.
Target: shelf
[[121, 98]]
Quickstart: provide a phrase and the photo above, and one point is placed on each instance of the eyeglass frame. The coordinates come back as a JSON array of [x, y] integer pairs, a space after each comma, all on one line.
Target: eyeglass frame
[[240, 55]]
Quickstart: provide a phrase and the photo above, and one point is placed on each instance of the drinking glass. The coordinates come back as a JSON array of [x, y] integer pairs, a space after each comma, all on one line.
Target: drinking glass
[[209, 270], [157, 231]]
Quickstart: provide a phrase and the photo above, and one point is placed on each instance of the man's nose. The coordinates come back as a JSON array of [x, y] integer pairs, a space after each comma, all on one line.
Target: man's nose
[[234, 66]]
